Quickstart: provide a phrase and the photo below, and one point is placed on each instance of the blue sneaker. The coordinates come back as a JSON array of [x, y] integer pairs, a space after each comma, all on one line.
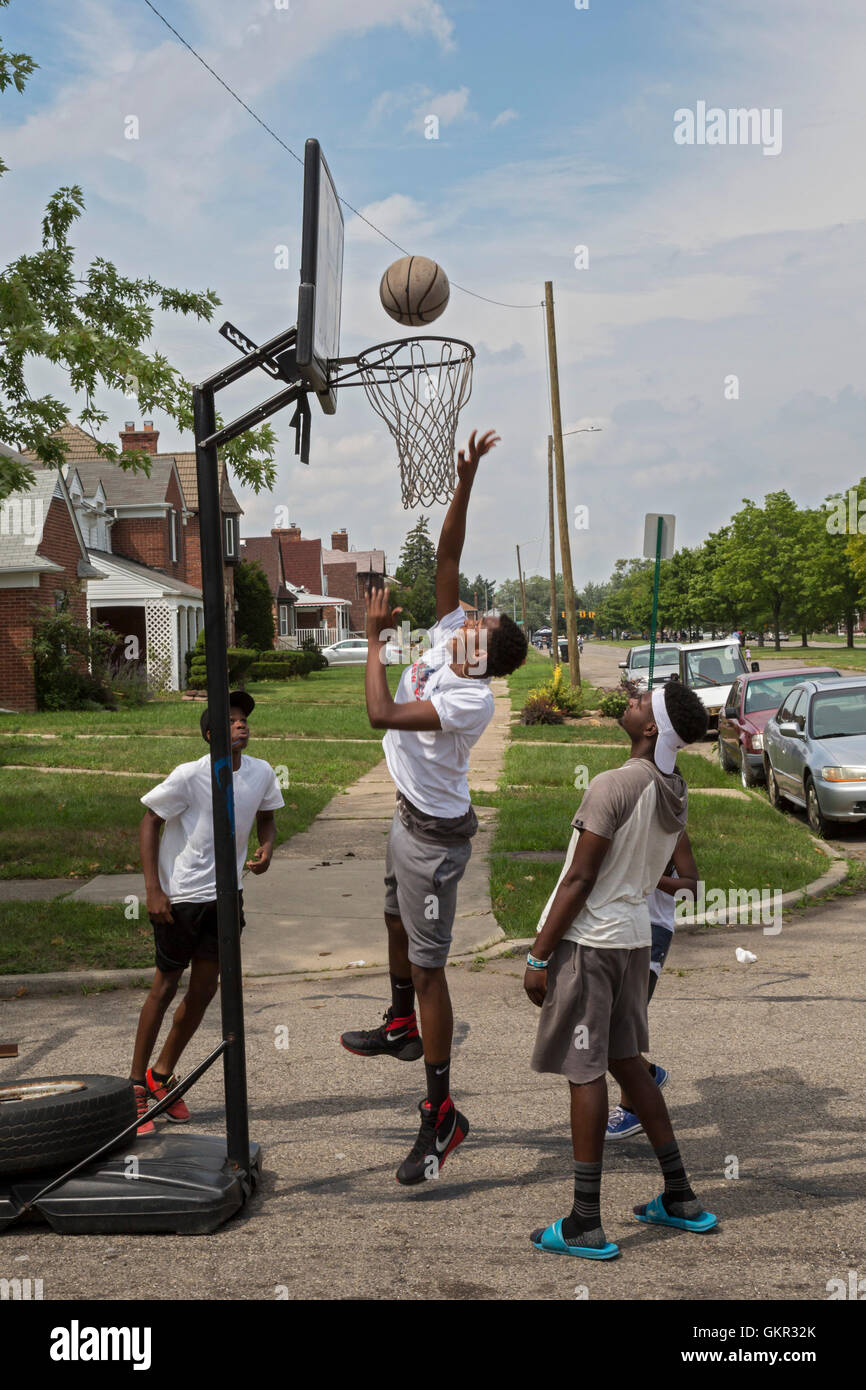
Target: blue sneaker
[[622, 1123]]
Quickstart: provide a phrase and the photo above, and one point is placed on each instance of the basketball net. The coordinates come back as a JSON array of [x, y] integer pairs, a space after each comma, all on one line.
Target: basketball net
[[419, 386]]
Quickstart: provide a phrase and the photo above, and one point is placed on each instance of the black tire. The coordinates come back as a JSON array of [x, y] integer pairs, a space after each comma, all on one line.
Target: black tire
[[57, 1129], [818, 823], [773, 792], [747, 776]]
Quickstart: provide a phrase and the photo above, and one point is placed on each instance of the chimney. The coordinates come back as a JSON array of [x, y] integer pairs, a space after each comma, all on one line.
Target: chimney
[[291, 533], [144, 440], [340, 540]]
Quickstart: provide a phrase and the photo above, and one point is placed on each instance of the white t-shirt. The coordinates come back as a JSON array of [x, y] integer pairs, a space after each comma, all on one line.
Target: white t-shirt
[[187, 870], [431, 766]]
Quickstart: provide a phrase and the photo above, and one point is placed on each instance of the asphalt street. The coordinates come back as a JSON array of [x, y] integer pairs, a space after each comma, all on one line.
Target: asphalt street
[[766, 1097]]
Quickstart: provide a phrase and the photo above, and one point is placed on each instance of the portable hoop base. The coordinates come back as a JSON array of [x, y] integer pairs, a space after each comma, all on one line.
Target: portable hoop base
[[181, 1184]]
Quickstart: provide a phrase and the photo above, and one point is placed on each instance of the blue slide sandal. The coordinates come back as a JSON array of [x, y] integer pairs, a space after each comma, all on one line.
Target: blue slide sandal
[[552, 1240], [654, 1214]]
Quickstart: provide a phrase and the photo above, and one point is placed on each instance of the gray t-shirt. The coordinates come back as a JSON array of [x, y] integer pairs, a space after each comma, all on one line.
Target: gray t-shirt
[[643, 813]]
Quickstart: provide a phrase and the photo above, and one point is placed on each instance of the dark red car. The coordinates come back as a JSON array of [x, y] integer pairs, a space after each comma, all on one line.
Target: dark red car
[[753, 699]]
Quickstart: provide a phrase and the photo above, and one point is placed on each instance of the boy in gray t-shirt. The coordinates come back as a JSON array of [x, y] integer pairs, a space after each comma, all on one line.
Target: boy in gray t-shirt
[[589, 965]]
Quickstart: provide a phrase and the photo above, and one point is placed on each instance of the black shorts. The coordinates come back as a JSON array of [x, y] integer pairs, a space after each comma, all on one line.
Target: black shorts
[[190, 935]]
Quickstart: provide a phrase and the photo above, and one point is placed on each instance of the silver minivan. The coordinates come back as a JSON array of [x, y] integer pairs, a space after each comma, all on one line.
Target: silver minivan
[[635, 668]]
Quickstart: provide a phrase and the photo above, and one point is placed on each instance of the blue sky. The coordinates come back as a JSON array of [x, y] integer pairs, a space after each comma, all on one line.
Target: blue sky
[[556, 129]]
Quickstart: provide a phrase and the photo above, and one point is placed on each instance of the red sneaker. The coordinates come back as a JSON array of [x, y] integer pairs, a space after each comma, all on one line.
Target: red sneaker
[[160, 1089], [148, 1126]]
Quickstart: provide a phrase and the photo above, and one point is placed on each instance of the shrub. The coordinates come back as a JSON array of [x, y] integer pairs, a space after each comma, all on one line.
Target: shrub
[[129, 683], [239, 659], [560, 695], [539, 710], [63, 649], [309, 645], [613, 704], [280, 666]]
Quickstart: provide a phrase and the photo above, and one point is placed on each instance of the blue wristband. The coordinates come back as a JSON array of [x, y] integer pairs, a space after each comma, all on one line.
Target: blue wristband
[[536, 964]]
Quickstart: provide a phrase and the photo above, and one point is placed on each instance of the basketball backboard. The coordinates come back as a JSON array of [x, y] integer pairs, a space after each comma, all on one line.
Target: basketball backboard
[[321, 288]]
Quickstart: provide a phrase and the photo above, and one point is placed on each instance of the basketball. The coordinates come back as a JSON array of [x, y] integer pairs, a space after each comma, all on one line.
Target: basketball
[[414, 290]]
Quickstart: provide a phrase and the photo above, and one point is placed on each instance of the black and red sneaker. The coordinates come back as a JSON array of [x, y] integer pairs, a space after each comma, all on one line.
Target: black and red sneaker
[[439, 1135], [395, 1037]]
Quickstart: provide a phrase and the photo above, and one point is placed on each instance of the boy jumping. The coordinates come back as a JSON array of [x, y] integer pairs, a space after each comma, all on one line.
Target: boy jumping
[[180, 882], [589, 965], [442, 707]]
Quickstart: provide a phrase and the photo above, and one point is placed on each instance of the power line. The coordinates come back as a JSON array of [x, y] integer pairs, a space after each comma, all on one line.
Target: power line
[[249, 110]]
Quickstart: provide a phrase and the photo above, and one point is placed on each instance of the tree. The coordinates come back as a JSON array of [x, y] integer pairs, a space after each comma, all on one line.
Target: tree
[[92, 329], [254, 619], [764, 563], [417, 557]]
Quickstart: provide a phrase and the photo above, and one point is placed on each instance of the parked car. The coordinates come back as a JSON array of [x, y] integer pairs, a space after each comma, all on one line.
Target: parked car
[[752, 701], [350, 651], [666, 663], [815, 751], [710, 668]]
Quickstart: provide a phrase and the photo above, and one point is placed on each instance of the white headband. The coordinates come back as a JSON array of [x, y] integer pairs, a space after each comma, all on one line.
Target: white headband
[[668, 740]]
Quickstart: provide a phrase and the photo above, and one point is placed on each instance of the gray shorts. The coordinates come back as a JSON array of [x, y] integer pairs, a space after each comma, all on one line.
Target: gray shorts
[[424, 862], [594, 1009]]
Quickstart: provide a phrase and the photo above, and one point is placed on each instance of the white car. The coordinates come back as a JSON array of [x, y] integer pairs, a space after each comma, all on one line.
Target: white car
[[666, 663], [351, 651], [710, 669]]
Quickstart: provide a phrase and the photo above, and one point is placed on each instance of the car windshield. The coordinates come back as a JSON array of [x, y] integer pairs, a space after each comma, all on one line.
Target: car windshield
[[838, 714], [664, 656], [769, 694], [714, 665]]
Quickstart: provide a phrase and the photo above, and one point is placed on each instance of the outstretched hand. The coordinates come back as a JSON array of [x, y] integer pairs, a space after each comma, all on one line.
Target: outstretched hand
[[379, 613], [468, 467]]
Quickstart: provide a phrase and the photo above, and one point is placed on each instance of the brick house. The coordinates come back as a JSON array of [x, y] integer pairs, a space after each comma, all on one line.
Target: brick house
[[44, 564], [143, 536], [266, 552], [347, 573], [304, 571]]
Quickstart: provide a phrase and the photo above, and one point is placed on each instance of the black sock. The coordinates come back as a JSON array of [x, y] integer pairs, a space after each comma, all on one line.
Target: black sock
[[438, 1082], [678, 1197], [158, 1076], [583, 1224], [402, 996], [135, 1081]]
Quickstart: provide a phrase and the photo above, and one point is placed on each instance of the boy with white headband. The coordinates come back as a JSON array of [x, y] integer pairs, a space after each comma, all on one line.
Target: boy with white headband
[[589, 965]]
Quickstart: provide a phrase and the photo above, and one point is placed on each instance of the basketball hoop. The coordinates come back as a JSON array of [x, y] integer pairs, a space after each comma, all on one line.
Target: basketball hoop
[[419, 386]]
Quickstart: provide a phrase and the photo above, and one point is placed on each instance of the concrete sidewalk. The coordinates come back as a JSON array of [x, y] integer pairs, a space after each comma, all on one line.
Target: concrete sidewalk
[[320, 903]]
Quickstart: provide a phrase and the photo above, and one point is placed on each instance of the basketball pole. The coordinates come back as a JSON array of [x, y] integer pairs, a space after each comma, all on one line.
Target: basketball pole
[[564, 537], [522, 589], [554, 649]]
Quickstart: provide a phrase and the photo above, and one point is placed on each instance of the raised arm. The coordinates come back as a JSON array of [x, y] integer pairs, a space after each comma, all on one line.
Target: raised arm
[[453, 532]]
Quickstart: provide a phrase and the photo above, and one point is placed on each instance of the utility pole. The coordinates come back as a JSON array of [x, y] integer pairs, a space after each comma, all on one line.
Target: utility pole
[[554, 648], [562, 509], [522, 589]]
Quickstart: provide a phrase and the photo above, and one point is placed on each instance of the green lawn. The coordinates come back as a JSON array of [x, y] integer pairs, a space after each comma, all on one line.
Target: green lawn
[[557, 766], [736, 844], [581, 732], [73, 936], [58, 825]]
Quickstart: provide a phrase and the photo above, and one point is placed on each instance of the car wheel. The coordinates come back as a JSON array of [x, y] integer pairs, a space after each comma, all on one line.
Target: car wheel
[[818, 823], [724, 761], [773, 788], [747, 776]]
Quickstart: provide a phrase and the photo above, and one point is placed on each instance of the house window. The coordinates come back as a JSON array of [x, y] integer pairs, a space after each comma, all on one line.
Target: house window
[[284, 620], [230, 528], [172, 534]]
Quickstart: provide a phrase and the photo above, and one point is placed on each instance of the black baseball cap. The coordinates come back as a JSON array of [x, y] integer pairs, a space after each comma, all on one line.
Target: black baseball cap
[[238, 699]]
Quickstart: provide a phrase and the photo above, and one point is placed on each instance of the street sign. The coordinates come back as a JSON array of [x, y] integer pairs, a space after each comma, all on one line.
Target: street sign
[[650, 533]]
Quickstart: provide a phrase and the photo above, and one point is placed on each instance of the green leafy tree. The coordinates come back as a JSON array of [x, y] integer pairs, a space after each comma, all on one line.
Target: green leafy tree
[[92, 329], [764, 563], [417, 557], [255, 613]]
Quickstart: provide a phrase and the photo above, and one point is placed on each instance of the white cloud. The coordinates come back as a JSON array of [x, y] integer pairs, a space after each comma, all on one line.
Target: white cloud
[[509, 114], [446, 106]]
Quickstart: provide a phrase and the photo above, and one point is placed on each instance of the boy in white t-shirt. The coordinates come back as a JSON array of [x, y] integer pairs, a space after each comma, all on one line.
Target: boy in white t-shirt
[[180, 883], [442, 707]]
